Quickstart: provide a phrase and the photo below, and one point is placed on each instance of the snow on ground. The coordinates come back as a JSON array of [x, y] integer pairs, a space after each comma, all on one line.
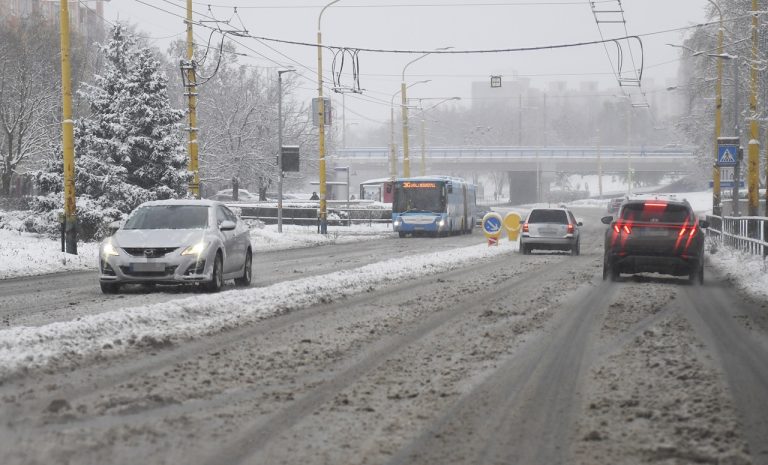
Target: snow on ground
[[112, 332], [746, 271], [295, 236], [26, 254]]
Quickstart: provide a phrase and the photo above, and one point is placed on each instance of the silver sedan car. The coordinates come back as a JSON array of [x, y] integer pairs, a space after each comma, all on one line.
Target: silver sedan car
[[176, 242]]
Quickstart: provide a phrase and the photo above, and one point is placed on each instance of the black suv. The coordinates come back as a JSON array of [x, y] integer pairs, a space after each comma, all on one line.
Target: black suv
[[655, 235]]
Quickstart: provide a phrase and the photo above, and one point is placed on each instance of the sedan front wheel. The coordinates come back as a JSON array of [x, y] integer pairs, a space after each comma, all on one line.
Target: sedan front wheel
[[245, 280], [217, 277]]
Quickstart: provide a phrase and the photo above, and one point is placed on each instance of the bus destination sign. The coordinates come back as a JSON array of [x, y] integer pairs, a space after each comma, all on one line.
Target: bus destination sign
[[419, 185]]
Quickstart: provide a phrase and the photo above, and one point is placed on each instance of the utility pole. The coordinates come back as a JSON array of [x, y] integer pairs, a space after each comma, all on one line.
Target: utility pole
[[392, 148], [68, 137], [520, 120], [599, 167], [280, 147], [191, 93], [423, 167], [321, 123], [629, 150], [403, 100], [737, 133], [716, 203], [753, 165]]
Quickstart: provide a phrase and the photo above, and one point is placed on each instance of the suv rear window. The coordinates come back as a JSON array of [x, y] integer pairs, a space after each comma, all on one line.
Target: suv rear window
[[656, 212], [548, 216]]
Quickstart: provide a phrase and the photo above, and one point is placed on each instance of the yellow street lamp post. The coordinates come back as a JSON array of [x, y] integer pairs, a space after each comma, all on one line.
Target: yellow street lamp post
[[753, 163], [68, 138], [392, 149], [321, 123]]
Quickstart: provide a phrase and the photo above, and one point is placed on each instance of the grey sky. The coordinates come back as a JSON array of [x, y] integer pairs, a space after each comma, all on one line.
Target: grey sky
[[475, 24]]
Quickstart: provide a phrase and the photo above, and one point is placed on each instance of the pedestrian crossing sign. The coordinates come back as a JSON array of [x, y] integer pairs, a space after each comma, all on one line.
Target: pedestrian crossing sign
[[727, 155]]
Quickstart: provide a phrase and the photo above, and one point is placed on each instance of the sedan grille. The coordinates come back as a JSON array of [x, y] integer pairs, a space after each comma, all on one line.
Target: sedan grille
[[149, 252]]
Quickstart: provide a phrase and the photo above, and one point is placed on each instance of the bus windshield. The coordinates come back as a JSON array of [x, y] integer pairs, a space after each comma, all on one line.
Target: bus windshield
[[418, 197]]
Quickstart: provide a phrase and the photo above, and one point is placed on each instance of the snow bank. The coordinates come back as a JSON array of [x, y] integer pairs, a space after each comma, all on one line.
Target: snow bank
[[295, 236], [26, 254], [747, 272], [112, 332]]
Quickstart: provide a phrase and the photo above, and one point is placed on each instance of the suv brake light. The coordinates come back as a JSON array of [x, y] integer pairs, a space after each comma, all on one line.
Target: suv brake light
[[525, 227], [619, 228], [570, 228]]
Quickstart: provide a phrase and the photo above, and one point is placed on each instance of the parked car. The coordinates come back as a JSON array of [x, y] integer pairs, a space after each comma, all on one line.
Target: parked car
[[176, 242], [614, 205], [654, 235], [550, 229], [226, 195]]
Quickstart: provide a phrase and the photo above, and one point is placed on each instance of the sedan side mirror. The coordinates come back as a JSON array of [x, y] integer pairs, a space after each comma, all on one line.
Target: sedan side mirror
[[606, 219], [703, 224], [227, 225]]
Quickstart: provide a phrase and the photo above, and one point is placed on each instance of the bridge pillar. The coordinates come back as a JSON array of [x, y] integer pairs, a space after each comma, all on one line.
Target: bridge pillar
[[524, 186]]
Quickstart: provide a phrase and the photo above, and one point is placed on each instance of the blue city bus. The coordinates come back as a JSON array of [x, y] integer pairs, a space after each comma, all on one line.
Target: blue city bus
[[433, 205]]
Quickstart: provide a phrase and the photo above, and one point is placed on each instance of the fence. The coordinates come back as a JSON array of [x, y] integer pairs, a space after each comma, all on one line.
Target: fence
[[745, 233], [309, 215]]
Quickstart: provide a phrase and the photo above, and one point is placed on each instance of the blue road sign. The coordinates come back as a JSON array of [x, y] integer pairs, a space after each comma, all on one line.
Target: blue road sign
[[727, 155], [492, 225]]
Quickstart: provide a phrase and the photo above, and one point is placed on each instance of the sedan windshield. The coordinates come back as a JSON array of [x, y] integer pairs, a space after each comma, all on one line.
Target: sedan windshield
[[169, 217]]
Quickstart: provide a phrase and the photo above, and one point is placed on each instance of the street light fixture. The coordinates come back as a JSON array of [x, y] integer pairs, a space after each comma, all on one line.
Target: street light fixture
[[403, 87], [321, 123], [280, 147]]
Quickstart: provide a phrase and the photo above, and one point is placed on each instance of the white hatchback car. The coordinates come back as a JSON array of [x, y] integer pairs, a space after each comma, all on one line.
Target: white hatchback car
[[550, 229], [176, 242]]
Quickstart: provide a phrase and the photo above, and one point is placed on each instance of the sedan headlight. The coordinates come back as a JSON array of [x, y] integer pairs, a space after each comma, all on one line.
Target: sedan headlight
[[196, 249], [109, 250]]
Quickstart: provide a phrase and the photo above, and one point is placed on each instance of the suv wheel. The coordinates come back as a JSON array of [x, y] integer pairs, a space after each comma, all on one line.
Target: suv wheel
[[696, 276]]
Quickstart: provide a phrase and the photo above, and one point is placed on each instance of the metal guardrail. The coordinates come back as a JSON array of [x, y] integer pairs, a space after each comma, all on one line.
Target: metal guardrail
[[309, 215], [745, 233]]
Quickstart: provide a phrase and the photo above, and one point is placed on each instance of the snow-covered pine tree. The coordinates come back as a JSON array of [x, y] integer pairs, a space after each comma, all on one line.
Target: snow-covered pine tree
[[129, 149]]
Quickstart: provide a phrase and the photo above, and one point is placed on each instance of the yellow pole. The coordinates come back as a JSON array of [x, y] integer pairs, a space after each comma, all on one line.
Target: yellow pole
[[716, 208], [392, 149], [321, 134], [753, 165], [194, 167], [406, 159], [68, 136]]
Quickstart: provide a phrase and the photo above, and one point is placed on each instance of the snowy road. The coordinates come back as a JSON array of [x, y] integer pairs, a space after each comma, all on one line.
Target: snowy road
[[507, 359]]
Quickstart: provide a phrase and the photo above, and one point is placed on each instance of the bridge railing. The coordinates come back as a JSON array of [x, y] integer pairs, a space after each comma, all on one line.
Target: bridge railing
[[524, 152], [745, 233]]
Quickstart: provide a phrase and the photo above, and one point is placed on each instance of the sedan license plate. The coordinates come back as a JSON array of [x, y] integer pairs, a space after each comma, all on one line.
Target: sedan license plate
[[147, 267]]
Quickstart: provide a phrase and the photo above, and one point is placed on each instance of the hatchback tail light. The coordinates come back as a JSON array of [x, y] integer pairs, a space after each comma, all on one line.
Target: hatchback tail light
[[691, 230]]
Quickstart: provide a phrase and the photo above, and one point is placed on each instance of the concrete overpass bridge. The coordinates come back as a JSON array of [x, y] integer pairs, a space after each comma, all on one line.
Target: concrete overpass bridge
[[580, 160], [528, 168]]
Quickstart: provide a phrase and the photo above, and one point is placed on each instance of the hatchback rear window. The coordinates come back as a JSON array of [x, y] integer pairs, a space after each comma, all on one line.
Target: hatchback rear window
[[656, 212], [548, 216]]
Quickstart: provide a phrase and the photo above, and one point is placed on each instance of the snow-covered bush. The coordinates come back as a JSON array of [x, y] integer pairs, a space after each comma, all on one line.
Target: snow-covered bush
[[128, 150]]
